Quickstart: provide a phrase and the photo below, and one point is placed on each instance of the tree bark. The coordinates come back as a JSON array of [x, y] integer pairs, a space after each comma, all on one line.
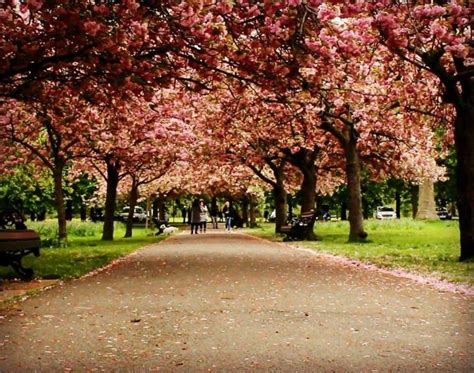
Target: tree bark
[[59, 202], [426, 201], [161, 208], [398, 204], [279, 194], [253, 219], [245, 211], [69, 210], [83, 212], [464, 139], [343, 210], [110, 199], [414, 201], [132, 202], [354, 194], [155, 208], [305, 160]]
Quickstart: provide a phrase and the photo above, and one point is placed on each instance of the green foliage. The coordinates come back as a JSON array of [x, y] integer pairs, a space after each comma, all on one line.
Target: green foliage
[[26, 193], [48, 229], [84, 251], [428, 247]]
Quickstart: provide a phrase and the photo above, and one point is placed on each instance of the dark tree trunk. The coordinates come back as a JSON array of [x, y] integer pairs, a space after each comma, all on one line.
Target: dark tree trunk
[[154, 208], [110, 200], [245, 211], [354, 194], [305, 160], [68, 210], [343, 210], [398, 203], [59, 202], [83, 212], [132, 202], [279, 194], [414, 201], [464, 138], [290, 207], [308, 195], [161, 208], [253, 219]]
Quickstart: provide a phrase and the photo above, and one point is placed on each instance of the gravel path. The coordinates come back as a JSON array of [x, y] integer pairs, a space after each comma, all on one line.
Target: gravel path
[[229, 302]]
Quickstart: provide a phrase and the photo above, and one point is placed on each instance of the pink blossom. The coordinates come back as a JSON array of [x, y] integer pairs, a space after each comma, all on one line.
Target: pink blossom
[[91, 28], [438, 30], [132, 4], [35, 4], [458, 50], [315, 3], [294, 2], [326, 14]]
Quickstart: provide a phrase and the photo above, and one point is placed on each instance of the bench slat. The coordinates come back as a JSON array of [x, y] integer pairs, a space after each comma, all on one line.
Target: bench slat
[[18, 235]]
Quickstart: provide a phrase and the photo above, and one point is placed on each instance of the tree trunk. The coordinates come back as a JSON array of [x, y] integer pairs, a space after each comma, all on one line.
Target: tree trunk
[[305, 160], [398, 203], [161, 209], [110, 200], [426, 201], [132, 202], [59, 202], [245, 211], [290, 207], [354, 194], [83, 212], [308, 195], [279, 194], [253, 219], [155, 208], [69, 211], [414, 201], [464, 139], [343, 211]]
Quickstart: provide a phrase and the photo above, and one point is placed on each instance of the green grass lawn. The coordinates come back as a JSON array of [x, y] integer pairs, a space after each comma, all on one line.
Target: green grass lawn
[[427, 247], [84, 251]]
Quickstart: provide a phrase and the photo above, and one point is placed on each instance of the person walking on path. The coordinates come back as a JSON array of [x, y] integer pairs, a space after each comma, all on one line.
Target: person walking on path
[[195, 216], [229, 215], [203, 217], [184, 213], [214, 216]]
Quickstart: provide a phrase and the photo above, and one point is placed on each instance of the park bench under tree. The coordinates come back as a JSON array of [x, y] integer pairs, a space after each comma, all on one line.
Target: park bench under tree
[[16, 241], [298, 228]]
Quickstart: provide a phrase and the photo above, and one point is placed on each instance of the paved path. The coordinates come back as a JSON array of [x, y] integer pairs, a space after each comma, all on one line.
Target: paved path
[[228, 302]]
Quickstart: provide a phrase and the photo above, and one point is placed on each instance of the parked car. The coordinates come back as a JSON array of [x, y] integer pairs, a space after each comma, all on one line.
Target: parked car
[[385, 212], [443, 213], [139, 214]]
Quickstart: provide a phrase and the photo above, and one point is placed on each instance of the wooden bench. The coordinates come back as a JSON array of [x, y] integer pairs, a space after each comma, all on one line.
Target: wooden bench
[[14, 245], [16, 241], [299, 226]]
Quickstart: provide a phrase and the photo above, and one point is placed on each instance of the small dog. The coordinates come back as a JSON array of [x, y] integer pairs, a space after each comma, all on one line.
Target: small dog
[[167, 230]]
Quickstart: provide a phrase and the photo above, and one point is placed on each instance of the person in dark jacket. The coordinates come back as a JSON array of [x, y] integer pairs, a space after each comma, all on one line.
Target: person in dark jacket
[[229, 215], [195, 216], [214, 216]]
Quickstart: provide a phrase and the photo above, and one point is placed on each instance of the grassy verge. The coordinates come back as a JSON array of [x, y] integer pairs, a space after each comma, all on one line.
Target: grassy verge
[[84, 251], [426, 247]]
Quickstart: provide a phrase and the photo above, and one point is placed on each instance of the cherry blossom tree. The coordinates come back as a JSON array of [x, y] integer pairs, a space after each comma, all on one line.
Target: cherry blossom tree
[[437, 38], [49, 130], [316, 48]]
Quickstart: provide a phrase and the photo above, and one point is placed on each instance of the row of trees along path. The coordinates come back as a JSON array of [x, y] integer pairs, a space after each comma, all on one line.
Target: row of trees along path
[[277, 95]]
